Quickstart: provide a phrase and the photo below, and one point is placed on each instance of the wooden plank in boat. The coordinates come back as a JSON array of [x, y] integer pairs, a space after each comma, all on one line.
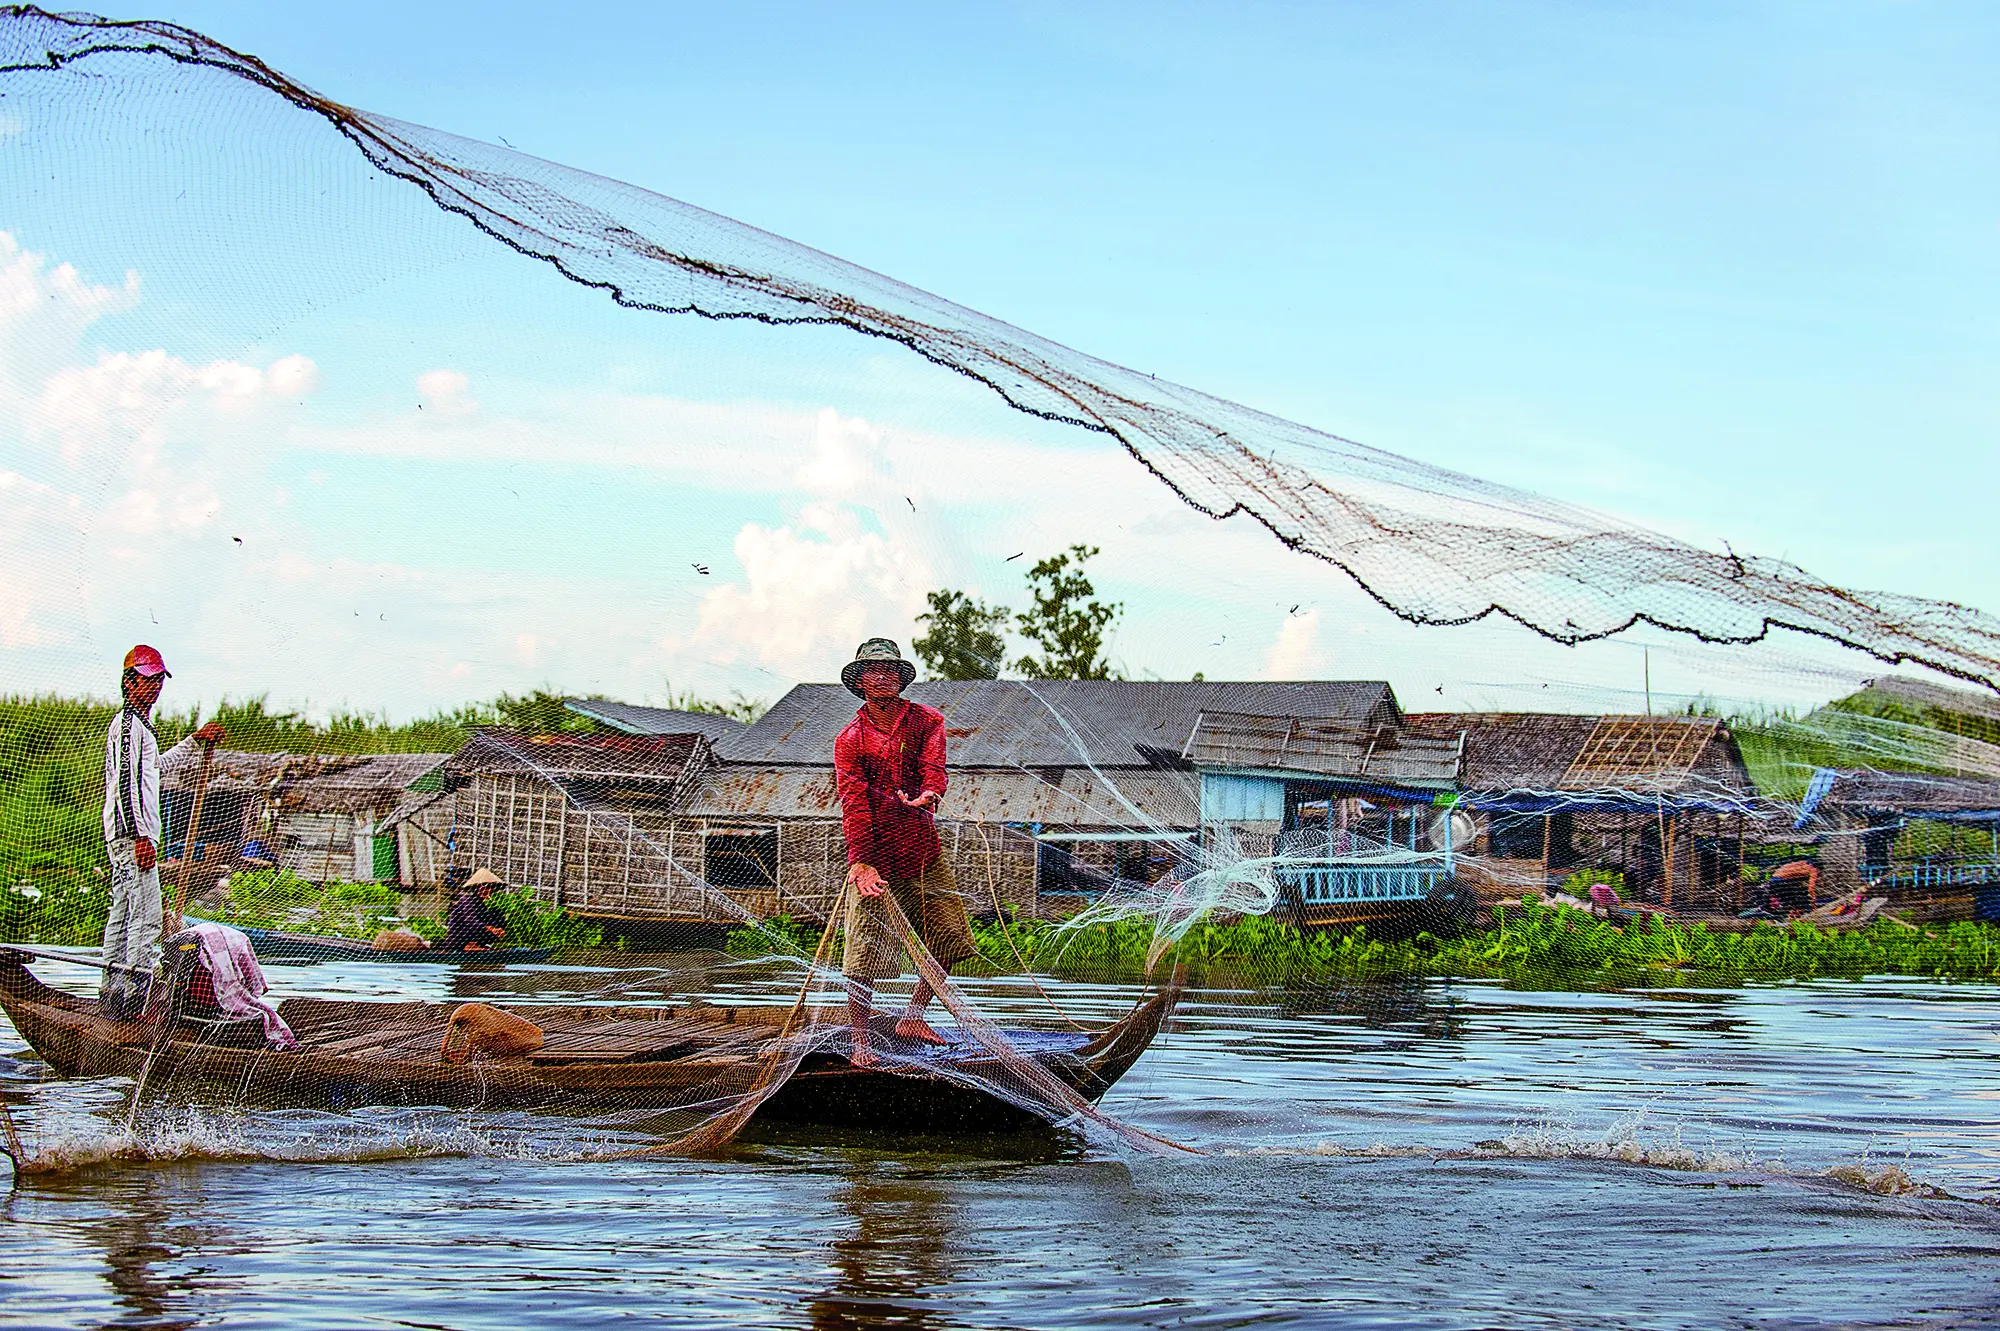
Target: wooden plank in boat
[[380, 1038]]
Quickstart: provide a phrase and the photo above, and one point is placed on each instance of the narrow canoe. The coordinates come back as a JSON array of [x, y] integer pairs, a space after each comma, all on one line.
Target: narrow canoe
[[276, 943], [358, 1052]]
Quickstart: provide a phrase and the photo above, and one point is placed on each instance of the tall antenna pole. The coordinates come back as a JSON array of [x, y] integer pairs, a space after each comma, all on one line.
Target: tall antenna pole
[[1649, 681]]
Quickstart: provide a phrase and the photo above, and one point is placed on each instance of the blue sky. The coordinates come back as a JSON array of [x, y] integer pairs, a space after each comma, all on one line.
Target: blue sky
[[1729, 271]]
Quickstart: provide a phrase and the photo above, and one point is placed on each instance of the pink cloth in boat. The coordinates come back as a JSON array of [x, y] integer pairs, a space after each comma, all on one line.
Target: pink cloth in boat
[[239, 981]]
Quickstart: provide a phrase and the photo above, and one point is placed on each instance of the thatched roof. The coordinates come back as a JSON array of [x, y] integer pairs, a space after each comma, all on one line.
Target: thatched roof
[[312, 783], [1561, 751], [1389, 755]]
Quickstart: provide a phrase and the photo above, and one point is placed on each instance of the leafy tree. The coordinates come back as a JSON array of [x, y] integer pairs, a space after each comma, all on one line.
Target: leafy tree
[[541, 712], [1067, 620], [964, 640], [744, 709]]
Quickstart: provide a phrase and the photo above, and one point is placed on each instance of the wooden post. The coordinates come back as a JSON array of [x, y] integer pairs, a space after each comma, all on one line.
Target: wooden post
[[1625, 848], [1740, 860], [1667, 870], [173, 921], [1547, 820]]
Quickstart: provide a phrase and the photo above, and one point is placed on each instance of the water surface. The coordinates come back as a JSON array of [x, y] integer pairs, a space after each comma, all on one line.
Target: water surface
[[1380, 1154]]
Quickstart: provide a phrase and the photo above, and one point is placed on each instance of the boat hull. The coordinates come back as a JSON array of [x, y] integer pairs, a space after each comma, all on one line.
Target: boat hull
[[825, 1090], [279, 945]]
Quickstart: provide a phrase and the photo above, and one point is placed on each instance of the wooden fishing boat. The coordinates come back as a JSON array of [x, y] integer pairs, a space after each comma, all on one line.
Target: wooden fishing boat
[[358, 1052], [278, 944]]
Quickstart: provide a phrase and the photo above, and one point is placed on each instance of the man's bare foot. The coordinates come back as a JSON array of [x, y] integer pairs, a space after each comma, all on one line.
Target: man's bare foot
[[916, 1028], [860, 1051]]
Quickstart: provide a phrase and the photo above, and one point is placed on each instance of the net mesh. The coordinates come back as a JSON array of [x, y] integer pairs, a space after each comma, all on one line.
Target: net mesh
[[668, 959], [1431, 545]]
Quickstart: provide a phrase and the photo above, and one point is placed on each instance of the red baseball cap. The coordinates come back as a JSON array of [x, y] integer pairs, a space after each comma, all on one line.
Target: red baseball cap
[[146, 661]]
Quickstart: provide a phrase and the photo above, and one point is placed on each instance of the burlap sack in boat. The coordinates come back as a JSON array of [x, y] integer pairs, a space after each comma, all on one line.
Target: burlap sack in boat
[[398, 940], [487, 1030]]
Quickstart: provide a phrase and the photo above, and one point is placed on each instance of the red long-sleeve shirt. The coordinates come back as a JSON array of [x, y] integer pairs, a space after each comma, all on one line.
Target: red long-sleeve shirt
[[870, 766]]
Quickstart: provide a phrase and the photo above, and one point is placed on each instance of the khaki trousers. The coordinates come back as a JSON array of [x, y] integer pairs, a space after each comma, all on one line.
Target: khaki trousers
[[936, 911]]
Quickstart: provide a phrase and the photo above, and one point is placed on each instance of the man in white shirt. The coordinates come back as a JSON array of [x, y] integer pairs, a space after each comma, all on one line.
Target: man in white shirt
[[132, 838]]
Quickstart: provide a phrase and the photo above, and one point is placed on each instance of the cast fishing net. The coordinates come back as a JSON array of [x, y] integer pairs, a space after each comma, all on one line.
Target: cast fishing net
[[238, 423]]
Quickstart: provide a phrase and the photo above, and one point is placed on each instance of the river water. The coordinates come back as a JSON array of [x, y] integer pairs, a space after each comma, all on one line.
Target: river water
[[1376, 1154]]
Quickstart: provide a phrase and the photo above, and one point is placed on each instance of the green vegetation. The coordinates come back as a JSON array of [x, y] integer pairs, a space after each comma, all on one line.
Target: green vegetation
[[1543, 948], [1066, 621], [531, 924], [276, 899], [68, 909], [743, 709], [964, 638], [52, 868], [1533, 947], [1865, 729]]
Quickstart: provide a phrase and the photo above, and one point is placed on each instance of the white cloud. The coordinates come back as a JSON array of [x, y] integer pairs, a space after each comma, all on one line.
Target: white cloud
[[126, 411], [125, 463], [10, 125], [447, 394], [812, 593], [1296, 653], [846, 461], [39, 530], [292, 377], [44, 308]]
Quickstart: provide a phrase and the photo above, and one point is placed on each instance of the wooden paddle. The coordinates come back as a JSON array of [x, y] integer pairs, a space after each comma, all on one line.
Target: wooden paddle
[[208, 737]]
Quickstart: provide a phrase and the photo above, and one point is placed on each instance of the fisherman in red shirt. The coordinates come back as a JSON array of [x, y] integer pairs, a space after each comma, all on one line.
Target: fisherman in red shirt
[[889, 767]]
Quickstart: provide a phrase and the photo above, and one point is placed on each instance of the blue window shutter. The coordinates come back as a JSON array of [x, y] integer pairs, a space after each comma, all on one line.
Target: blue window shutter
[[1226, 798]]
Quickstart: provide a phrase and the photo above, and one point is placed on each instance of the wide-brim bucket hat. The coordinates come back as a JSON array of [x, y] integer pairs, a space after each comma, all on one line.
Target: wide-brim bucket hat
[[876, 651]]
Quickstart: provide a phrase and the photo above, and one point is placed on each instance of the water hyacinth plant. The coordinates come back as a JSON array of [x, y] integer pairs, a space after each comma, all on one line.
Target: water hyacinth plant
[[1535, 946]]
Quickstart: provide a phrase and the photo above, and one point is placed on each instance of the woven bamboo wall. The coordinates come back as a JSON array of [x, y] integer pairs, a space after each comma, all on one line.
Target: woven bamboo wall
[[994, 864], [812, 865], [318, 847]]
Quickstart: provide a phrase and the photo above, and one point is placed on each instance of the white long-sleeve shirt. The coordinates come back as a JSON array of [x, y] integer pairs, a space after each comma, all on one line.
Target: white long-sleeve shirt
[[131, 779]]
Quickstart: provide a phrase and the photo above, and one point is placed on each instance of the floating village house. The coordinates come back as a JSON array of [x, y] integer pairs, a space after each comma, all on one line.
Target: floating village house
[[1924, 840], [1665, 801], [373, 817], [1058, 790]]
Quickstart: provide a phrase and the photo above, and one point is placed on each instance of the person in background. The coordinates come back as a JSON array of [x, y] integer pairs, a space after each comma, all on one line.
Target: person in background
[[889, 771], [1794, 888], [472, 925], [132, 837]]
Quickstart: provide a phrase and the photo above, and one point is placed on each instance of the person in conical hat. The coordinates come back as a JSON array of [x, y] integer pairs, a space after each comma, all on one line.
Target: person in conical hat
[[472, 925], [889, 770]]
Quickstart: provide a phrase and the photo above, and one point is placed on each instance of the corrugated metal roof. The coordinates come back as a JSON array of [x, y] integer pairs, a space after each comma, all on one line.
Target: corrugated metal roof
[[1057, 723], [1865, 790], [1082, 798], [1325, 748], [633, 719]]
